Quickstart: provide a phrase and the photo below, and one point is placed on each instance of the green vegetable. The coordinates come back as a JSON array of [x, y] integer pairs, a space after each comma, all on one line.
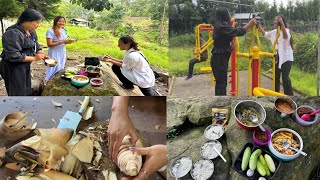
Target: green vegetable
[[270, 163], [245, 158], [261, 169], [254, 159], [264, 163]]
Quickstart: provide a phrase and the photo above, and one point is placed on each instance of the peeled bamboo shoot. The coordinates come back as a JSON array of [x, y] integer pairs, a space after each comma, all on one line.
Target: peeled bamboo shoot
[[128, 163]]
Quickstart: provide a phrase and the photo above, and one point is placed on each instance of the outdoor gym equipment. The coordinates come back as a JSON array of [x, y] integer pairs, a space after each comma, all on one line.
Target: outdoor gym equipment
[[254, 63], [200, 49]]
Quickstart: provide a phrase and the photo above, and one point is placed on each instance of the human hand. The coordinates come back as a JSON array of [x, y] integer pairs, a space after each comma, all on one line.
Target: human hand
[[280, 21], [67, 41], [39, 56], [253, 21], [106, 59], [156, 158], [20, 153], [119, 126]]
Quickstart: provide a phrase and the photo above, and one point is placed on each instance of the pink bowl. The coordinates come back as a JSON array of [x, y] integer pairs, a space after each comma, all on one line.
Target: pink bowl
[[259, 143]]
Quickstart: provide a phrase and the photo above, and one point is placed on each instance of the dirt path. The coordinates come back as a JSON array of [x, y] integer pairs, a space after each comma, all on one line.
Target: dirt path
[[200, 85]]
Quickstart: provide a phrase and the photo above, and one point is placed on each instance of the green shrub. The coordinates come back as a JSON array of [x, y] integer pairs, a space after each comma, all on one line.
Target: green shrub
[[182, 40], [306, 51]]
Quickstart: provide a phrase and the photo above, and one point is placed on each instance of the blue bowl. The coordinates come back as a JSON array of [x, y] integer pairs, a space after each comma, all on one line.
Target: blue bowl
[[281, 156]]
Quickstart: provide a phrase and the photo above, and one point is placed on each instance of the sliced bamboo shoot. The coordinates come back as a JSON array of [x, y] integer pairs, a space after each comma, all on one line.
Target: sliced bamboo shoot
[[83, 150], [97, 158], [50, 135], [88, 113]]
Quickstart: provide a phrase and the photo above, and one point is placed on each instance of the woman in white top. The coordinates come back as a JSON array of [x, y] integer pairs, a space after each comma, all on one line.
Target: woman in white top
[[134, 69], [284, 56], [56, 41]]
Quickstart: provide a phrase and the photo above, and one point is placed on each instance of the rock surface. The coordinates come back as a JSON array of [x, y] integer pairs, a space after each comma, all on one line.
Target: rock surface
[[57, 86], [198, 112]]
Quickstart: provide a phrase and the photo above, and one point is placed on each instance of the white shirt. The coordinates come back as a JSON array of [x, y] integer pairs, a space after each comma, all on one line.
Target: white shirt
[[136, 69], [283, 46]]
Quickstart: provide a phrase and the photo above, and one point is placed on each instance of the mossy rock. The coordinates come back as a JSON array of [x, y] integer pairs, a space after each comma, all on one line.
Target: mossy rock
[[58, 86]]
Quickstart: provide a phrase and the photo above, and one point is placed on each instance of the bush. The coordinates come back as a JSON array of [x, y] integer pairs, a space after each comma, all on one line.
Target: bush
[[182, 40], [306, 51]]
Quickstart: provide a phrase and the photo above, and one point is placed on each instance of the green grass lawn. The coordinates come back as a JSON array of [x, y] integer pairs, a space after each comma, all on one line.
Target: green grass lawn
[[92, 42]]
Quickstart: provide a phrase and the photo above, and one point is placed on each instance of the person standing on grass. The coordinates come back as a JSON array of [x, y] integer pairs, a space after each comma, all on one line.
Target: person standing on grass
[[223, 35], [56, 41], [284, 56], [192, 62], [134, 69], [20, 48]]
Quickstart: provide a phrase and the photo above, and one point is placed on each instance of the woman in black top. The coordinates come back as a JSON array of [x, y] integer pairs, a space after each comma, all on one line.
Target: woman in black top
[[20, 48], [223, 35]]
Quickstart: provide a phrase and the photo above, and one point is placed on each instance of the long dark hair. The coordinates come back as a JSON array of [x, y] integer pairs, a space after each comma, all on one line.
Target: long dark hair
[[55, 25], [286, 26], [131, 41], [222, 15], [29, 15]]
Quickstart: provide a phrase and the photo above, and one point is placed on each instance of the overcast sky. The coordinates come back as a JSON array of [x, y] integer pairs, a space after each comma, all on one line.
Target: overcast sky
[[285, 2]]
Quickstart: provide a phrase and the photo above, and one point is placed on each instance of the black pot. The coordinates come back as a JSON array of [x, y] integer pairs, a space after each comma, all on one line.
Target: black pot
[[91, 61]]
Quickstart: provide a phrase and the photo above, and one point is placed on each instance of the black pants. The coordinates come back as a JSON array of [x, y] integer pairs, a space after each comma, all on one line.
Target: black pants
[[17, 78], [219, 65], [192, 62], [284, 72], [128, 84]]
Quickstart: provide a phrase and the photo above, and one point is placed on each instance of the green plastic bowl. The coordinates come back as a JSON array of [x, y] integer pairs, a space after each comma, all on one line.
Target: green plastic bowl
[[79, 80]]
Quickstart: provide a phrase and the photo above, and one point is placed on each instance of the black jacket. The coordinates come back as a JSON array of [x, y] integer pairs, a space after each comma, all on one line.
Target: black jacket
[[16, 45], [223, 34]]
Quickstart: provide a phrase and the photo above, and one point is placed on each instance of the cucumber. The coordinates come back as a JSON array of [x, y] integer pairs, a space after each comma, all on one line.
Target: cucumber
[[261, 169], [270, 163], [245, 158], [254, 159], [264, 163]]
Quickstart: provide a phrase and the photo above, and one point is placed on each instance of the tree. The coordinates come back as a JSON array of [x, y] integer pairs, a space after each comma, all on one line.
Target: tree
[[159, 16], [111, 20], [290, 8], [9, 8], [96, 5], [48, 8], [74, 11]]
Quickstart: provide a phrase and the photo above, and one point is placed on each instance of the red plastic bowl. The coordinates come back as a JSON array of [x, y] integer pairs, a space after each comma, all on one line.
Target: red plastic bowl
[[255, 105]]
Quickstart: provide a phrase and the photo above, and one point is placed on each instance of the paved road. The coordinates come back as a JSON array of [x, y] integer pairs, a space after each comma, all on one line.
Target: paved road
[[200, 85]]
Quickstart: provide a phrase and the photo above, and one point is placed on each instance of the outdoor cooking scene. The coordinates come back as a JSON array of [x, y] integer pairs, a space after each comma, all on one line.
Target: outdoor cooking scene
[[78, 48], [243, 138], [69, 138]]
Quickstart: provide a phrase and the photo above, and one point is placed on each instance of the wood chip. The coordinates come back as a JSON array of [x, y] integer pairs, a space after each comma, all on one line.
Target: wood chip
[[56, 104], [97, 100], [54, 121], [157, 127]]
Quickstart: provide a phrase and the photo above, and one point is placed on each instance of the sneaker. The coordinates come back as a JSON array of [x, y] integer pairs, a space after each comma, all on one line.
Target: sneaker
[[188, 77]]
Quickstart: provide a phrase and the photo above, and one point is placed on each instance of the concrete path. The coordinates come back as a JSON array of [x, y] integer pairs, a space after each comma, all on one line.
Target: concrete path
[[200, 85]]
